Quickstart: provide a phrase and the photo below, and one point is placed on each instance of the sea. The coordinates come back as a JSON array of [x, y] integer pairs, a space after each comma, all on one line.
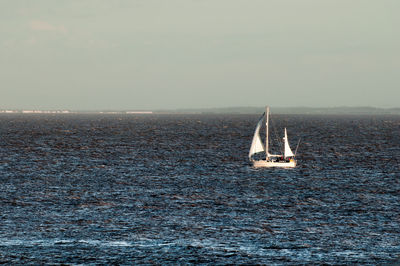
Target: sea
[[124, 189]]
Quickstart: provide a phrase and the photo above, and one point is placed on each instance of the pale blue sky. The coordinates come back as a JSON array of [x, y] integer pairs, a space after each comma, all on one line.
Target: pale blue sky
[[152, 54]]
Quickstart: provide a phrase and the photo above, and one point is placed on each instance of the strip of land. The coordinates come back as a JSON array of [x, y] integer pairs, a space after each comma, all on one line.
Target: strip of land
[[228, 110]]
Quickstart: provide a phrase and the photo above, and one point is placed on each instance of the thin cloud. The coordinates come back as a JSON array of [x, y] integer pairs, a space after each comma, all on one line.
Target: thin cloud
[[38, 25]]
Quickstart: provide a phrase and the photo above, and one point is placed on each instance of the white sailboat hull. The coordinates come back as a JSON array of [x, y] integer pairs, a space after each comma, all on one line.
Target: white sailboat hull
[[264, 163]]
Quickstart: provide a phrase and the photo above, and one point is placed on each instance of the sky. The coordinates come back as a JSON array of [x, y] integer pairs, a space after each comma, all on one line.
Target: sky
[[172, 54]]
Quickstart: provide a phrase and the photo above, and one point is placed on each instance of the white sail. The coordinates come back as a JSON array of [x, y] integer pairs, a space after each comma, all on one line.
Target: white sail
[[256, 144], [288, 152]]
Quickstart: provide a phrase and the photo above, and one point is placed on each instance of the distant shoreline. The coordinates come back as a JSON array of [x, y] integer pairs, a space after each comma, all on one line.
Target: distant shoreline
[[228, 110], [293, 110]]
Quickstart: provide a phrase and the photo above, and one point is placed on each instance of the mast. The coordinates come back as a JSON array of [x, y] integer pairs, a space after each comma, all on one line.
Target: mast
[[266, 129]]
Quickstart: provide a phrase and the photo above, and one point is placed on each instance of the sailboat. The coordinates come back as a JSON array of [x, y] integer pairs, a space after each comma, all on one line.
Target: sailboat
[[287, 159]]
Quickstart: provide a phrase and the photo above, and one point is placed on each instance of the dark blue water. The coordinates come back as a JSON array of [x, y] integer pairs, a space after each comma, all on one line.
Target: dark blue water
[[92, 189]]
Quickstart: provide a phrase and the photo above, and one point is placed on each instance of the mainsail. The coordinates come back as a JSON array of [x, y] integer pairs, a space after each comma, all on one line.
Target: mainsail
[[256, 144], [288, 151]]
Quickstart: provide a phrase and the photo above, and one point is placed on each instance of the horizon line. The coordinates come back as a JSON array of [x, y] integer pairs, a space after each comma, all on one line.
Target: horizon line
[[188, 108], [221, 110]]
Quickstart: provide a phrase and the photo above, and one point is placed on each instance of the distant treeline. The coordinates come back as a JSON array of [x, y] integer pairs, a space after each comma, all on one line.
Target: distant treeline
[[228, 110], [291, 110]]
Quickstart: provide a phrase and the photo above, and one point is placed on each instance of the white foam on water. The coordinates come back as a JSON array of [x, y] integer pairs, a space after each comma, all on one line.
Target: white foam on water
[[33, 242], [90, 242], [350, 253], [119, 244], [51, 242]]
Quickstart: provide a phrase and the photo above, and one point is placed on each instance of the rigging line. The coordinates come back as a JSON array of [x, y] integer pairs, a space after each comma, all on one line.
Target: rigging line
[[277, 139], [297, 147], [262, 116]]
